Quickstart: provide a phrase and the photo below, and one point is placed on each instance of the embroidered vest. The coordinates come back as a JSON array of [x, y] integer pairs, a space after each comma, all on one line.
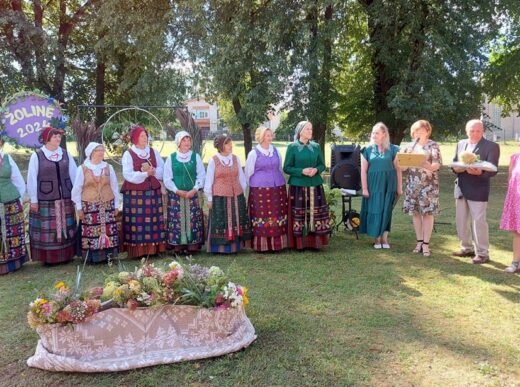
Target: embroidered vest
[[54, 181], [97, 188], [8, 191], [184, 174], [267, 171], [150, 182], [226, 182]]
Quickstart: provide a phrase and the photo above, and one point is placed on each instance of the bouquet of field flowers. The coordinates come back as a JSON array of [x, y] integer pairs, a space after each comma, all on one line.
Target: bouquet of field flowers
[[63, 306], [191, 285], [471, 160], [146, 286]]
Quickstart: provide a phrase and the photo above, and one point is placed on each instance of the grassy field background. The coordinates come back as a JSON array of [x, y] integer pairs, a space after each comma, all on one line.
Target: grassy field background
[[348, 315]]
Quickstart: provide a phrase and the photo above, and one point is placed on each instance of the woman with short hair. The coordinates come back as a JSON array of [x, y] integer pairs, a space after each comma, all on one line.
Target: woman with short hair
[[267, 194], [422, 185], [228, 229]]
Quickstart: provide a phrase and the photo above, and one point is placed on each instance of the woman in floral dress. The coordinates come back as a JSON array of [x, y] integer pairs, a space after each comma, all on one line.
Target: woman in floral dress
[[422, 185]]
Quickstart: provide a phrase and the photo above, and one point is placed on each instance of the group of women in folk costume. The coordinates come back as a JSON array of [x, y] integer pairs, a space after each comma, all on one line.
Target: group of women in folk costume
[[60, 192]]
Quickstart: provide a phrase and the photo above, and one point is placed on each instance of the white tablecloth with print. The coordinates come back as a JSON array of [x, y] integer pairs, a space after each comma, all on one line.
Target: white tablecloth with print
[[120, 339]]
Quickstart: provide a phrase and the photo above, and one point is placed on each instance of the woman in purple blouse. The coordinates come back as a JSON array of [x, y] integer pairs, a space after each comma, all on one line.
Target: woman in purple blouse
[[267, 194]]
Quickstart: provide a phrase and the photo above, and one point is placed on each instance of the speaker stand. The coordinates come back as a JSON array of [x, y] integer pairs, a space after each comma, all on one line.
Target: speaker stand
[[346, 204]]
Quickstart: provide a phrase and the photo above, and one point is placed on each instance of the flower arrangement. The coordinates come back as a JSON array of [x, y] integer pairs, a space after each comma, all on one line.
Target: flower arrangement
[[190, 285], [63, 306], [469, 157], [146, 286]]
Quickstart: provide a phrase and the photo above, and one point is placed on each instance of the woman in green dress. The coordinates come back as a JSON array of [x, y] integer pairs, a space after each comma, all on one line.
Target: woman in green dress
[[381, 181], [309, 221]]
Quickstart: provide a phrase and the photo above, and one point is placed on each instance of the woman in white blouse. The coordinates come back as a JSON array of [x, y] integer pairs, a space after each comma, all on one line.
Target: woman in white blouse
[[228, 228], [12, 225], [96, 195], [183, 178], [143, 220], [267, 194], [52, 221]]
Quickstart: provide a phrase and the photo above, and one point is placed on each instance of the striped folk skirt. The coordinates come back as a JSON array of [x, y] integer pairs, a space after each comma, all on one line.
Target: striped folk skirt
[[268, 214], [309, 223], [52, 231], [228, 229], [185, 223], [12, 236], [99, 232], [143, 223]]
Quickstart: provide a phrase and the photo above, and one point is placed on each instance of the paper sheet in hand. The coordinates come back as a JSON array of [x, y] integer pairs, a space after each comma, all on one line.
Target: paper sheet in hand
[[413, 160]]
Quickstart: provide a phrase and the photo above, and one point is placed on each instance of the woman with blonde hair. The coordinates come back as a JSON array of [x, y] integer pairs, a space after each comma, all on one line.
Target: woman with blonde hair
[[381, 181], [422, 185], [267, 194]]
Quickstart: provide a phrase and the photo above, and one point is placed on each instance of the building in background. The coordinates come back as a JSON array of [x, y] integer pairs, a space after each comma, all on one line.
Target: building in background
[[504, 128], [204, 114]]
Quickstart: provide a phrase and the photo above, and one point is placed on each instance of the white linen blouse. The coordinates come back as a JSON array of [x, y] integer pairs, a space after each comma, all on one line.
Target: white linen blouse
[[183, 158], [137, 177], [32, 173], [210, 174], [97, 170], [251, 159]]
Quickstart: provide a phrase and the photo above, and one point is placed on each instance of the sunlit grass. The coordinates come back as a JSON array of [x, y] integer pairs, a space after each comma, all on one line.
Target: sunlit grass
[[348, 315]]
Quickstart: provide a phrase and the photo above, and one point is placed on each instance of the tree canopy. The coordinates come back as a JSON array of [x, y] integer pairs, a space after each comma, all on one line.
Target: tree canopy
[[336, 63]]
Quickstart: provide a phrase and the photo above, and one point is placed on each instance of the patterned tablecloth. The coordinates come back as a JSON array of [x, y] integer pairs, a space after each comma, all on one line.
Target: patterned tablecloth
[[120, 339]]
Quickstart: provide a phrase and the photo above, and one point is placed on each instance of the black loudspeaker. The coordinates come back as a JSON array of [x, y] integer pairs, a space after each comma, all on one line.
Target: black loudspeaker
[[345, 166]]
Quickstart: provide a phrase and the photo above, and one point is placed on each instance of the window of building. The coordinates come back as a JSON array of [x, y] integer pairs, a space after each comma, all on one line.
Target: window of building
[[202, 114]]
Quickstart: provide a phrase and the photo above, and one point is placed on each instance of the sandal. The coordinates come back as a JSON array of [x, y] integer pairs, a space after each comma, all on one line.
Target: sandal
[[418, 247], [426, 249]]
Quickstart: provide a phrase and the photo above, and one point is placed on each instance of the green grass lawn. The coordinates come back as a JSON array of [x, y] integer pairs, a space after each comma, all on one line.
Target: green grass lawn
[[348, 315]]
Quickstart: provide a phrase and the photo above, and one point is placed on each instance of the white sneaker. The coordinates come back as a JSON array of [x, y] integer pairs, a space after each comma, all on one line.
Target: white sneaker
[[515, 266], [378, 246]]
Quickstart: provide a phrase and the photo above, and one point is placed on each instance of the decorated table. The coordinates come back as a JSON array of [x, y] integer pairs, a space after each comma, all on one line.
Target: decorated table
[[145, 323]]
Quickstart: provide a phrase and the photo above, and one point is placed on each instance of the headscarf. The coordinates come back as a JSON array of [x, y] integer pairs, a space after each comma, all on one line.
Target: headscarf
[[90, 148], [97, 169], [180, 135], [220, 140], [48, 132], [135, 132], [301, 125]]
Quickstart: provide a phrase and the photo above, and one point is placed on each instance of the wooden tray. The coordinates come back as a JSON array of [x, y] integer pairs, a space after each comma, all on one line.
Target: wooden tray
[[413, 160]]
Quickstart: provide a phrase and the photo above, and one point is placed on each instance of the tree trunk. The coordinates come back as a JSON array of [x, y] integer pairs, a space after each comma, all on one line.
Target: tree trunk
[[100, 93], [246, 127], [320, 84]]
